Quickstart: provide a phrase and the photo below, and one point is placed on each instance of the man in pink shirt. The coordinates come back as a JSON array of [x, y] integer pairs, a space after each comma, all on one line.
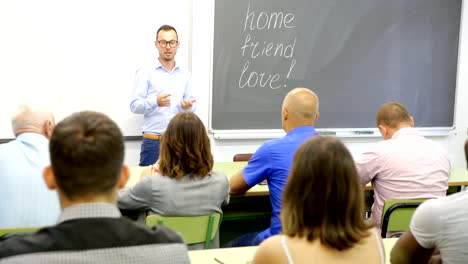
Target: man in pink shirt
[[405, 165]]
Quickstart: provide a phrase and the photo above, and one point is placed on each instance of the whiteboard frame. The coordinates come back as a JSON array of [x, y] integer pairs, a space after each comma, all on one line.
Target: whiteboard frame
[[338, 132]]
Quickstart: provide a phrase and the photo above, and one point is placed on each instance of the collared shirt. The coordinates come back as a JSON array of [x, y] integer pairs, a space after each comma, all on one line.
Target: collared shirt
[[407, 166], [89, 210], [95, 233], [272, 161], [155, 80], [25, 200]]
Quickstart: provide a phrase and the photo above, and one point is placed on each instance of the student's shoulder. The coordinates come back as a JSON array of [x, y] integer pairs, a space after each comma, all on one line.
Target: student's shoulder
[[217, 176], [270, 144], [18, 244], [269, 251]]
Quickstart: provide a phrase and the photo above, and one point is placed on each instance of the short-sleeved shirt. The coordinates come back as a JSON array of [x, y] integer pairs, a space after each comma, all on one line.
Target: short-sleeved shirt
[[272, 162], [407, 166], [441, 223]]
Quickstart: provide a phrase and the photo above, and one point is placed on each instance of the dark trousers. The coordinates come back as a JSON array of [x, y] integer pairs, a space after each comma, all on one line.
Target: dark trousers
[[149, 152], [250, 239]]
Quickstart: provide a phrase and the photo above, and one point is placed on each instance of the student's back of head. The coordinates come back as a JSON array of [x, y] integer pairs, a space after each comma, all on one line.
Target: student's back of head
[[32, 119], [185, 148], [323, 198], [87, 152]]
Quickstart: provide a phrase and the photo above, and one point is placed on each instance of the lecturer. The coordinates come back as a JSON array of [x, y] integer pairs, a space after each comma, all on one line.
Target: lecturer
[[161, 90]]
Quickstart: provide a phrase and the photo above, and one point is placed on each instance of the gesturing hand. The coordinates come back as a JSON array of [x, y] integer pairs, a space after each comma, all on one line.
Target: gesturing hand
[[164, 99], [186, 104], [150, 170]]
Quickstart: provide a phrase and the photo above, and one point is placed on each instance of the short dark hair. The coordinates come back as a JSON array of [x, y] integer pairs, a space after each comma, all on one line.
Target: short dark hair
[[185, 148], [323, 198], [166, 28], [86, 152], [392, 114]]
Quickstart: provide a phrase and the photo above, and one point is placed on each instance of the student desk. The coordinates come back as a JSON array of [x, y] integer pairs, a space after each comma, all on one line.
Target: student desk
[[243, 255], [458, 177]]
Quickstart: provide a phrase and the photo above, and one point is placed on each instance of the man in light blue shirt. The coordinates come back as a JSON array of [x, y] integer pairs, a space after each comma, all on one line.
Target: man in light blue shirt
[[161, 91], [25, 200]]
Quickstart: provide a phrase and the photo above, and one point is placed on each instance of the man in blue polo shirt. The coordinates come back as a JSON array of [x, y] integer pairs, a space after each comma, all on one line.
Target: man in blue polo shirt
[[272, 161]]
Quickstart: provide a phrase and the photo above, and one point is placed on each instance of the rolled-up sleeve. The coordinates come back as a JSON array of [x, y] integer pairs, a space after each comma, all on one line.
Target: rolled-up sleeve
[[368, 165], [140, 103]]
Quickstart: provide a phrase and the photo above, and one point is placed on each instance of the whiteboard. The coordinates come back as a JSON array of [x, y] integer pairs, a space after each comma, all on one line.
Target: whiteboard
[[82, 55]]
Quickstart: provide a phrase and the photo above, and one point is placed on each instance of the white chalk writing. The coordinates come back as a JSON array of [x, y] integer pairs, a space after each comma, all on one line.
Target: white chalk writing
[[260, 49]]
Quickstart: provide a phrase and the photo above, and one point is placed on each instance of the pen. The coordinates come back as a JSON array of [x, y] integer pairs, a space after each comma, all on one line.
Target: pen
[[219, 261]]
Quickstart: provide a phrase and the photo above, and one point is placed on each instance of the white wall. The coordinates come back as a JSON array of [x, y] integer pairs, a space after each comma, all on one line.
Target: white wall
[[81, 55], [201, 54]]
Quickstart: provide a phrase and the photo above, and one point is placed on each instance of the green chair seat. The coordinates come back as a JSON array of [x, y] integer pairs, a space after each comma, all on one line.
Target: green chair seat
[[18, 230], [194, 229], [397, 214]]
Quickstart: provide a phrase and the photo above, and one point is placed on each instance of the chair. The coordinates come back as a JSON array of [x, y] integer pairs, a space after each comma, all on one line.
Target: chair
[[17, 230], [194, 229], [242, 157], [397, 214]]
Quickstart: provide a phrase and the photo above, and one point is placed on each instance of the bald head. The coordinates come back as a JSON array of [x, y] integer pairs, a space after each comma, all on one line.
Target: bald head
[[29, 118], [300, 107]]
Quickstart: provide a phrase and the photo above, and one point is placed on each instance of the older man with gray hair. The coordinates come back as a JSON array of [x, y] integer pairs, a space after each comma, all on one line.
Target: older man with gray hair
[[25, 200]]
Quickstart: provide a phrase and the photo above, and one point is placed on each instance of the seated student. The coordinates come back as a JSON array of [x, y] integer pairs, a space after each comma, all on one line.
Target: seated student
[[272, 160], [25, 200], [183, 183], [404, 165], [87, 152], [322, 213], [437, 231]]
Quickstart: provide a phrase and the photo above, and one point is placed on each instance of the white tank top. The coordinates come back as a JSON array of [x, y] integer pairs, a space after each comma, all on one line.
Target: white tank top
[[290, 260]]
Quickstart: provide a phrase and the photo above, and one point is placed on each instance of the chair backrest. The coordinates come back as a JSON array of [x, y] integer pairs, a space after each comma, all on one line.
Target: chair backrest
[[242, 157], [194, 229], [397, 214], [17, 230]]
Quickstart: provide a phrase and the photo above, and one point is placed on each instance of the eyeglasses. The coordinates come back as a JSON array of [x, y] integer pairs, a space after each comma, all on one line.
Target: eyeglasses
[[163, 43]]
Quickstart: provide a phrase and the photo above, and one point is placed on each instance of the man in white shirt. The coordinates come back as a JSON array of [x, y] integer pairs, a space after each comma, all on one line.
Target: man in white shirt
[[404, 165], [437, 231], [25, 200]]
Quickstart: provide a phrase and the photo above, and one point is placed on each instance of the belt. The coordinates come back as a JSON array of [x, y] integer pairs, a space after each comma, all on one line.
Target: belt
[[152, 136]]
